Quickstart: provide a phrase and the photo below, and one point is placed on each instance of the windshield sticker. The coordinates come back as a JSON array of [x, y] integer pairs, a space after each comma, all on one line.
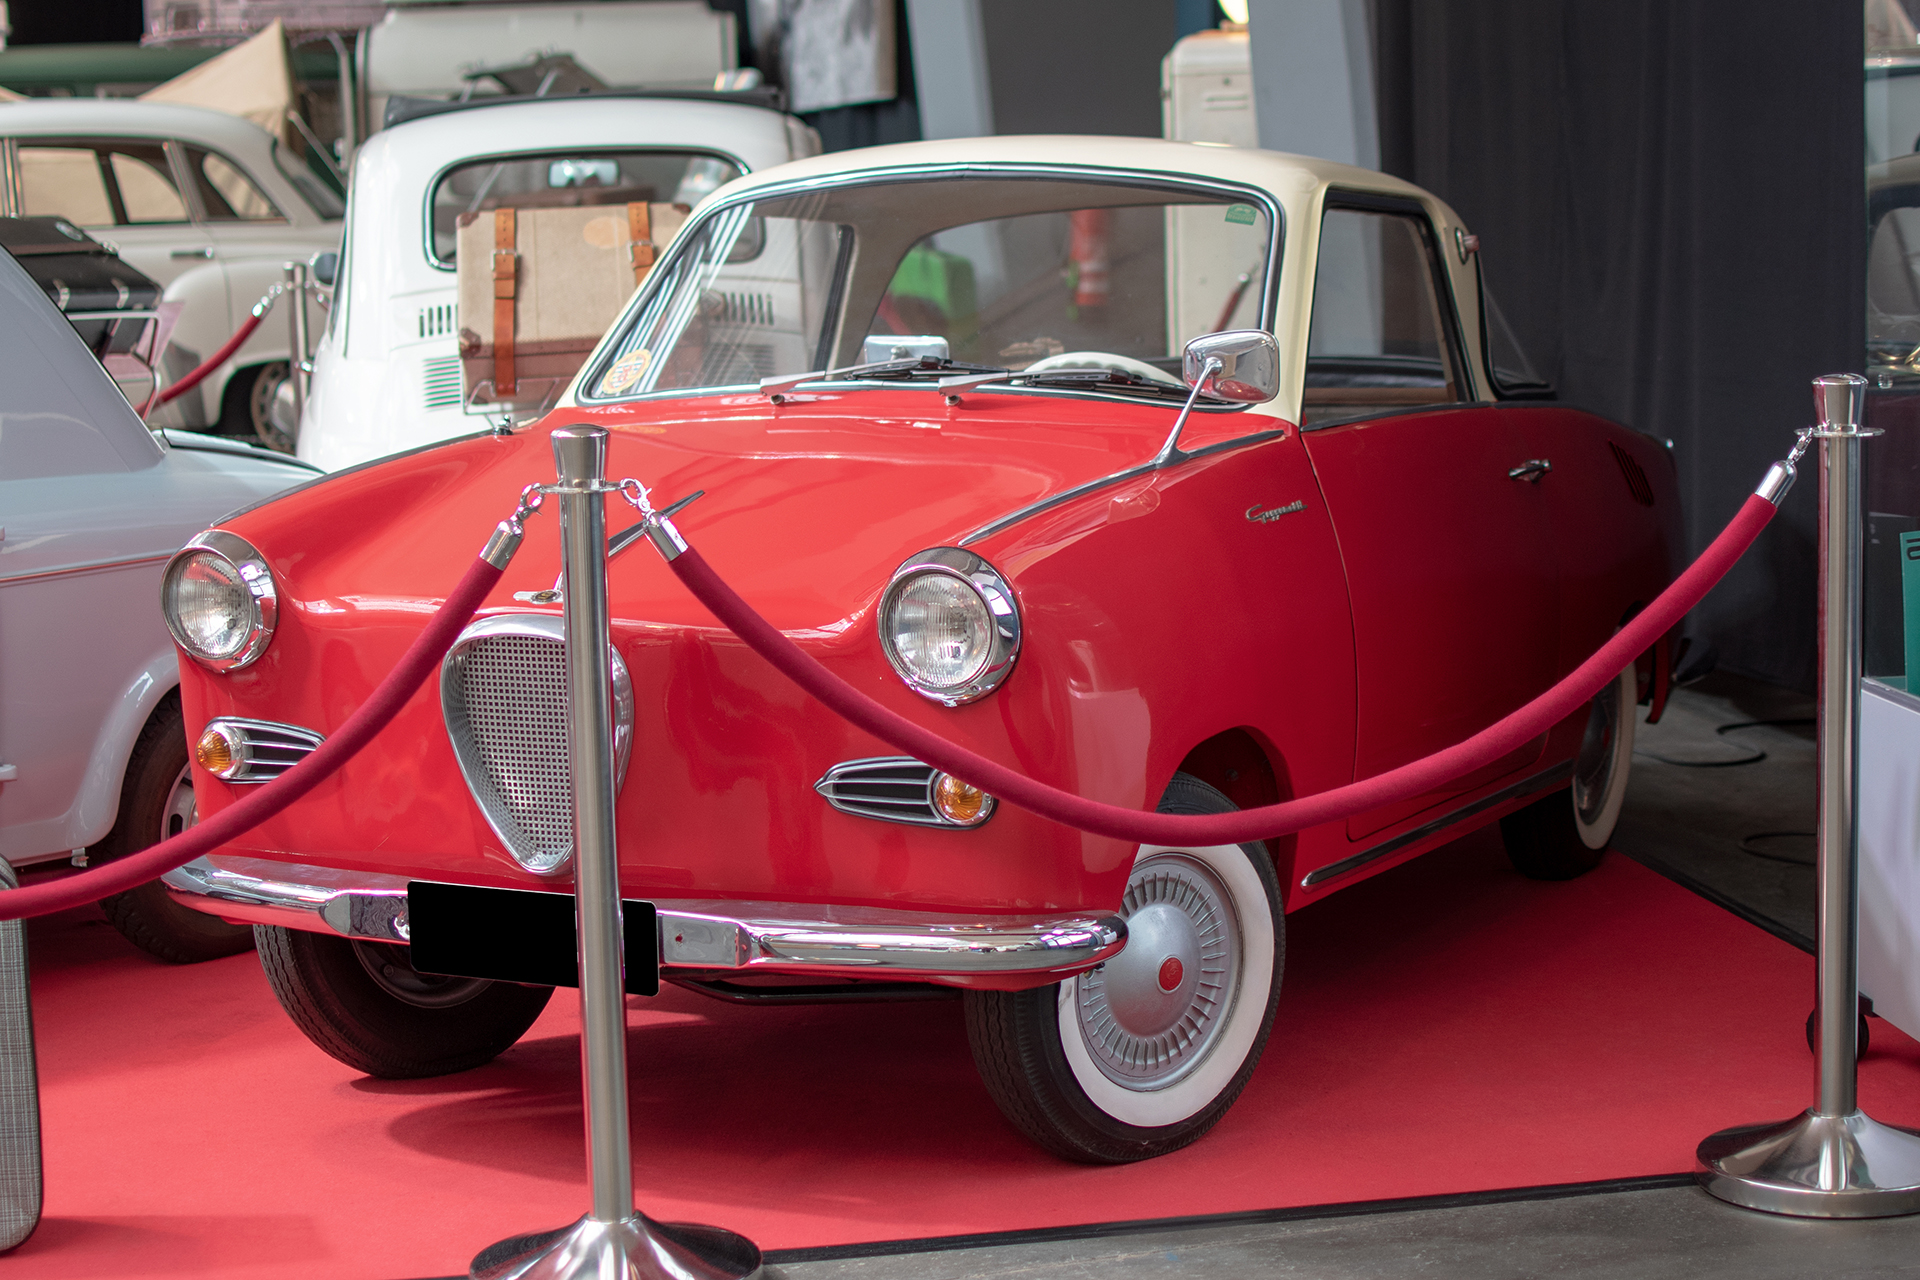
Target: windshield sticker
[[1241, 213], [626, 371]]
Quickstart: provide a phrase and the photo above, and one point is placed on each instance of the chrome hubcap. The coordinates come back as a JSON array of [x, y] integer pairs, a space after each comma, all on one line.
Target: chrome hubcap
[[1593, 767], [391, 968], [179, 812], [1150, 1014]]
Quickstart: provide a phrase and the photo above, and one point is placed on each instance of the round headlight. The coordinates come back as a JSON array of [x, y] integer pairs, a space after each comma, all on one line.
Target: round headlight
[[218, 598], [949, 625]]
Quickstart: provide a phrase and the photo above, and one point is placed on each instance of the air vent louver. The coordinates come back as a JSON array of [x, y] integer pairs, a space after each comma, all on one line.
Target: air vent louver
[[1636, 478]]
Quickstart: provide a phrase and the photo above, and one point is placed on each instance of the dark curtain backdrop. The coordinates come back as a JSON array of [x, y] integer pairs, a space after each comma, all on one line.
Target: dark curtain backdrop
[[1669, 196]]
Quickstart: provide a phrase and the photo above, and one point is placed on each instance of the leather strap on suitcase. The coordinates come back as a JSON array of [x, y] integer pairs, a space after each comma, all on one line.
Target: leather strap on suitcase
[[505, 259], [640, 240]]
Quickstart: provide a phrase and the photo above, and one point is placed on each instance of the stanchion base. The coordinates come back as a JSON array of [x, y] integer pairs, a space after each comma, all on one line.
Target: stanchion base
[[637, 1248], [1815, 1166]]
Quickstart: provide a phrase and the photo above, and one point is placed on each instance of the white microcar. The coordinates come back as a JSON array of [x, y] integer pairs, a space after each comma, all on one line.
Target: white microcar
[[387, 371]]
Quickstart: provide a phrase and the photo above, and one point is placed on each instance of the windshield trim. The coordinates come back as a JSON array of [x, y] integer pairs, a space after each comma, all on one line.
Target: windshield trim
[[722, 201], [530, 153]]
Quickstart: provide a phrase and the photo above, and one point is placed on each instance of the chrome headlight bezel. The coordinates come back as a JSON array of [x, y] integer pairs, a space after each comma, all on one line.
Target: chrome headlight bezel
[[250, 568], [1003, 614]]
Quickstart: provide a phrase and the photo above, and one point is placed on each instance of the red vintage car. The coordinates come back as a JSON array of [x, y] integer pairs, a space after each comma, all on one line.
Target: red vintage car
[[929, 394]]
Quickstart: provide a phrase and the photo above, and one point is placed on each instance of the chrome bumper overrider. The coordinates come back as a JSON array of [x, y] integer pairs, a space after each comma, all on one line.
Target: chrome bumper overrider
[[760, 937]]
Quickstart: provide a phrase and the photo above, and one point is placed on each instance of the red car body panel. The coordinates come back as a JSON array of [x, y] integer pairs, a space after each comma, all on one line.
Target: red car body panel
[[1192, 616]]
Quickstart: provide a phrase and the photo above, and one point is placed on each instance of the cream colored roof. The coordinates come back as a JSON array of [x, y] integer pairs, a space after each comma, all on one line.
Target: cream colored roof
[[1286, 176]]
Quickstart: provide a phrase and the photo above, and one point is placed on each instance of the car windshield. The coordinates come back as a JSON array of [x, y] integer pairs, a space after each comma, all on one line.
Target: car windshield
[[563, 179], [1058, 277]]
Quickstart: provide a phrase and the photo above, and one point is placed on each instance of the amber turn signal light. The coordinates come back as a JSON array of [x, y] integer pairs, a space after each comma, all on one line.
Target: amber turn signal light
[[960, 803], [215, 753]]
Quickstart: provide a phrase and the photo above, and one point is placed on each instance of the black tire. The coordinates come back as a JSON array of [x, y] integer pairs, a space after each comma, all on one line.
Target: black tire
[[1564, 834], [1081, 1098], [246, 404], [156, 801], [366, 1005]]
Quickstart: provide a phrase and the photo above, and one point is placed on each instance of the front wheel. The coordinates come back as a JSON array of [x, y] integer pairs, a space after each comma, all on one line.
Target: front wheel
[[248, 407], [366, 1005], [1143, 1054]]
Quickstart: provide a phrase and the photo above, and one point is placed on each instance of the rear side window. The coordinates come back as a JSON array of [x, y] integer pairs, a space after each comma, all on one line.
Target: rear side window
[[1380, 337], [100, 183], [227, 193]]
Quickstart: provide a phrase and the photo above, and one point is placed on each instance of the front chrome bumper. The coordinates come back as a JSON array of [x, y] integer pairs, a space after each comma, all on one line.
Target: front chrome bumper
[[716, 937]]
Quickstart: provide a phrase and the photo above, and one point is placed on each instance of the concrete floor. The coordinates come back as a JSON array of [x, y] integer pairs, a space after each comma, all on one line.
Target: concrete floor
[[1726, 811]]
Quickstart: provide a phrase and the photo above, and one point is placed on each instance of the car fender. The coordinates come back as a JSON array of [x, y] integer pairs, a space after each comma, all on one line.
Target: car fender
[[98, 804], [202, 327]]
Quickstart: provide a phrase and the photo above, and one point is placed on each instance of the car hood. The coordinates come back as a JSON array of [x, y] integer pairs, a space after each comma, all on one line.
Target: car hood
[[806, 507]]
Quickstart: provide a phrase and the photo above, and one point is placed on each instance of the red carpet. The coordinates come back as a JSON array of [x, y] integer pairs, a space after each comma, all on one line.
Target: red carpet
[[1446, 1027]]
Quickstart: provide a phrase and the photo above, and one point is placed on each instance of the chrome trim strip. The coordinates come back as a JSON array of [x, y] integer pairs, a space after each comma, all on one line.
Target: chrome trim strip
[[1131, 473], [93, 566], [763, 937], [1526, 786]]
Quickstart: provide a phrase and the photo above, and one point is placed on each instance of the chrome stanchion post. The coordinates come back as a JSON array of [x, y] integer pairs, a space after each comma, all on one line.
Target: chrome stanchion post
[[299, 360], [614, 1241], [1833, 1161]]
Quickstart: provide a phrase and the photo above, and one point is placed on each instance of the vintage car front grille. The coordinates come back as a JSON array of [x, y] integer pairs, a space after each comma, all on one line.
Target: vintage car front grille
[[503, 692], [265, 749], [889, 788]]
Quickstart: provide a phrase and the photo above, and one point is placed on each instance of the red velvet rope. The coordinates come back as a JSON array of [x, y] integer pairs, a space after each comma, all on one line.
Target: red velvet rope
[[1403, 783], [415, 665], [207, 366]]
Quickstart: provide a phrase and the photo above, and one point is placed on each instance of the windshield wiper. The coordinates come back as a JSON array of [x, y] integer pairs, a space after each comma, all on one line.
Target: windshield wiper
[[910, 369], [1090, 378]]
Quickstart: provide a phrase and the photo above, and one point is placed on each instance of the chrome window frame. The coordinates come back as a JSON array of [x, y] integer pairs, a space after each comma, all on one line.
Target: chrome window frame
[[670, 262]]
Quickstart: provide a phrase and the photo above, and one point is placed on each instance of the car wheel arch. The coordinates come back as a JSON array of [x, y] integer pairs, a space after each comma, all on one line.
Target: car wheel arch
[[98, 803], [1242, 764]]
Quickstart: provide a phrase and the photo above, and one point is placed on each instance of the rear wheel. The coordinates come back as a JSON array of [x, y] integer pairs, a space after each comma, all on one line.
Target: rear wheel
[[1145, 1053], [366, 1005], [156, 802], [246, 407], [1565, 834]]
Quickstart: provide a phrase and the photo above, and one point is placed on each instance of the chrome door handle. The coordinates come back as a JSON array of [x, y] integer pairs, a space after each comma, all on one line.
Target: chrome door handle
[[206, 252], [1531, 470]]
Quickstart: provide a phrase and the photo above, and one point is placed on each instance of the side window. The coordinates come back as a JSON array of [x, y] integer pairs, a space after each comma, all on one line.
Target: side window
[[64, 182], [147, 193], [1379, 337], [227, 194], [100, 183]]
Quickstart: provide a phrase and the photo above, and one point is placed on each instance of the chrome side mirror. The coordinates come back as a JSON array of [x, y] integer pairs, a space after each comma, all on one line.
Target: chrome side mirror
[[323, 267], [1248, 363]]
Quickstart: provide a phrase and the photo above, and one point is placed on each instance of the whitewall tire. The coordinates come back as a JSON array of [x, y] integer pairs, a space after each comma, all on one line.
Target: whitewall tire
[[1145, 1053]]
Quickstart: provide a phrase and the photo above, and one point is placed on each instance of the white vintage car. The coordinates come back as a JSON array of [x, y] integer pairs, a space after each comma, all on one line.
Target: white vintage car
[[387, 371], [209, 205], [93, 757]]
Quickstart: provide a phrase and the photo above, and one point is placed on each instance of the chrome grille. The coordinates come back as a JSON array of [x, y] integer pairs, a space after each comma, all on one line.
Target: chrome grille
[[503, 691], [266, 749], [889, 788]]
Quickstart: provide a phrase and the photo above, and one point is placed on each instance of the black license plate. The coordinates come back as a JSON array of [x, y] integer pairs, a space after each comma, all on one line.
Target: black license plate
[[517, 935]]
